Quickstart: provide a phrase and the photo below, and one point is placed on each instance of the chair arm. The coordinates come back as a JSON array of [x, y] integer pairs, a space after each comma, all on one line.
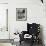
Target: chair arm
[[22, 35], [24, 32]]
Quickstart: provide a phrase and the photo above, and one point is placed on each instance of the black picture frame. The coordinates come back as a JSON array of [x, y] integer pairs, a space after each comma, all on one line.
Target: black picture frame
[[21, 14]]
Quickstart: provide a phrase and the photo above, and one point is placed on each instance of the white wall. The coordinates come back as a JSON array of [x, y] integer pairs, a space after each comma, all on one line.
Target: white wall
[[3, 1], [4, 34], [35, 13]]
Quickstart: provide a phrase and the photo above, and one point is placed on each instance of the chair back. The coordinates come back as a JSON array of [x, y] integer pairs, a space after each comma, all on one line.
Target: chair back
[[33, 28]]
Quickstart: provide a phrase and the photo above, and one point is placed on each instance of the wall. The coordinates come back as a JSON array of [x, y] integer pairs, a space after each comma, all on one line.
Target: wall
[[35, 13], [3, 1], [4, 34]]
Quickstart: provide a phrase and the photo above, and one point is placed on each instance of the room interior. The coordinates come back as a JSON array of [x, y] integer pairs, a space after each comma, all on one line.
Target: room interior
[[11, 27]]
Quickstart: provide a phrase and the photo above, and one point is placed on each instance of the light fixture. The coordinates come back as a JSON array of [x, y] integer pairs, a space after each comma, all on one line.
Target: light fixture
[[42, 1]]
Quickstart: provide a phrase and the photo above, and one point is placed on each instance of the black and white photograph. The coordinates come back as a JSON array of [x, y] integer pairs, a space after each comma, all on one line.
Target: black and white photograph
[[22, 22], [21, 14]]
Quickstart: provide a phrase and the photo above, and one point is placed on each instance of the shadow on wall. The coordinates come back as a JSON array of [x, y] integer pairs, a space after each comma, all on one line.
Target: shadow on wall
[[41, 34]]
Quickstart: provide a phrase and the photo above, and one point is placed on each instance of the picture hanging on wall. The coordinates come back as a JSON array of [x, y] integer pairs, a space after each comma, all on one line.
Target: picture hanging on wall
[[21, 14]]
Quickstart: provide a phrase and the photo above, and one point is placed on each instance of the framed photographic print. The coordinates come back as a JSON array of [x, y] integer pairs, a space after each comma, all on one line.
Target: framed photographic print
[[21, 14]]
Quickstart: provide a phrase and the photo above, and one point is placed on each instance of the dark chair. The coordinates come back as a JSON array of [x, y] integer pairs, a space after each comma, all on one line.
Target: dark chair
[[32, 29]]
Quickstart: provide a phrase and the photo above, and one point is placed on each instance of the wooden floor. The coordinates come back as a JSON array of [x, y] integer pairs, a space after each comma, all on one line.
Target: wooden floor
[[29, 44], [6, 40]]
